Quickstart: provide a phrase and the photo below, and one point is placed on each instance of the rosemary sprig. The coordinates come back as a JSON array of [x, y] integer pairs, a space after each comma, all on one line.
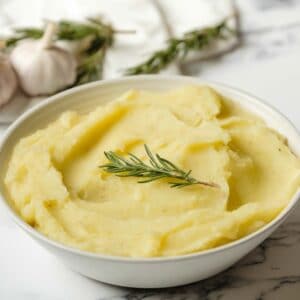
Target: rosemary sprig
[[90, 68], [177, 48], [159, 168], [23, 33], [66, 30]]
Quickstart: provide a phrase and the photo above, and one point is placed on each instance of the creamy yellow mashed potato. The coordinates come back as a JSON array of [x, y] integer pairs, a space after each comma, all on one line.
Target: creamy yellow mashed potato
[[55, 183]]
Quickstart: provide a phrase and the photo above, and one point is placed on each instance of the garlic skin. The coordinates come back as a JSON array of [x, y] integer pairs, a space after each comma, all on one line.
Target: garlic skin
[[8, 80], [43, 68]]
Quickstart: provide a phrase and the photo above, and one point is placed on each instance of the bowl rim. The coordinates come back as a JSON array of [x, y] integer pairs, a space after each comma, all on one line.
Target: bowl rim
[[161, 259]]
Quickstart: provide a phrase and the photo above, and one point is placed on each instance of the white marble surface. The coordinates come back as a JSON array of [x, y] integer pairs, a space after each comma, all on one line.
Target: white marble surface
[[267, 64]]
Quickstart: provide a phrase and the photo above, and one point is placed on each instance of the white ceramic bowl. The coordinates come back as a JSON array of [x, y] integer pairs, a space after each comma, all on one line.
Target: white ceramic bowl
[[148, 272]]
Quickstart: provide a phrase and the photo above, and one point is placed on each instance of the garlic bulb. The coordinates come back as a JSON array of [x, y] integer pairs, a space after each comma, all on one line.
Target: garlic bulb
[[43, 68], [8, 80]]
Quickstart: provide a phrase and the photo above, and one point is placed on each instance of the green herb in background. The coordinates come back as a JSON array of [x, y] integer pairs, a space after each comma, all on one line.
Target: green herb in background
[[159, 168], [91, 66], [23, 33], [67, 30], [177, 48]]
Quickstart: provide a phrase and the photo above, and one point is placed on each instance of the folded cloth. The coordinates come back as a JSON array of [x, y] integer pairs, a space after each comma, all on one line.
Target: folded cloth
[[153, 20]]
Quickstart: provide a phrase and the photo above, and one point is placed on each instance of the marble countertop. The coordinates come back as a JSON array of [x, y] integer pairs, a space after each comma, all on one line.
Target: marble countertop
[[267, 64]]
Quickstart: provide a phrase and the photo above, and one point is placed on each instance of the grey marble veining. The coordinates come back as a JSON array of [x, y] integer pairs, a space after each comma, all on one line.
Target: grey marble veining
[[274, 4]]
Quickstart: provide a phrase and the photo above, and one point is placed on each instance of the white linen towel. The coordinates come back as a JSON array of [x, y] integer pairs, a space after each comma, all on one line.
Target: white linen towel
[[153, 20]]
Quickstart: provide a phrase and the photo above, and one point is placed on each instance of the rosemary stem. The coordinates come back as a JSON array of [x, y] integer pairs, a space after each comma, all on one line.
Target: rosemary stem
[[159, 168], [124, 31], [178, 48]]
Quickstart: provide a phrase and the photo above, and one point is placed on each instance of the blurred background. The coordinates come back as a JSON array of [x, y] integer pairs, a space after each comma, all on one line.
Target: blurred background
[[262, 56]]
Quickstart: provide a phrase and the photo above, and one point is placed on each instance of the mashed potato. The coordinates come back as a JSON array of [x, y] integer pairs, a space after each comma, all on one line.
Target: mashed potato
[[55, 183]]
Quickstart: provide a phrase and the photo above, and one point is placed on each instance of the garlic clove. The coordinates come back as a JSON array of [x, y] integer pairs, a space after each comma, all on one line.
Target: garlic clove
[[8, 80], [43, 68]]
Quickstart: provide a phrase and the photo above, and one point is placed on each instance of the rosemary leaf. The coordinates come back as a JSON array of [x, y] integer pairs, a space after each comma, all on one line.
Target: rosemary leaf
[[23, 33], [159, 168], [90, 69], [66, 30], [177, 48]]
